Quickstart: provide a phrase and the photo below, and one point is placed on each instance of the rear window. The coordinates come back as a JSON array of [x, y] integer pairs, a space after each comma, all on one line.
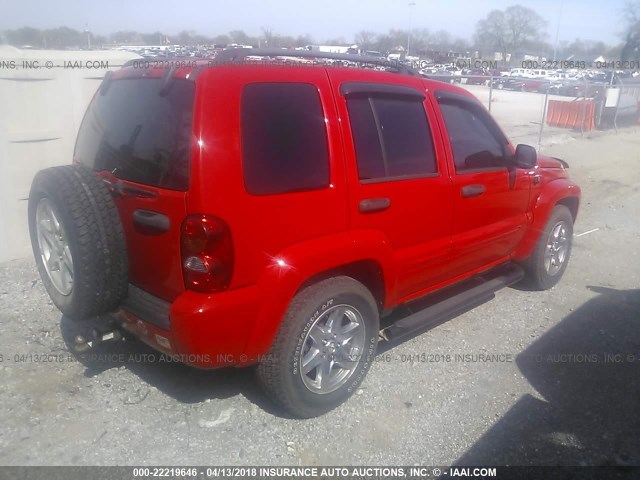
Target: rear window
[[138, 134], [284, 140]]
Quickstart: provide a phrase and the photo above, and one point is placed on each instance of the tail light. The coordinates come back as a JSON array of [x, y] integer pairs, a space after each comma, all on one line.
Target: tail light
[[207, 254]]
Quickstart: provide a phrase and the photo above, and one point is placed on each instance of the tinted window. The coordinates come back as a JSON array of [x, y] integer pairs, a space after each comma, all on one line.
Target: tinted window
[[473, 143], [366, 139], [138, 134], [284, 138], [391, 137]]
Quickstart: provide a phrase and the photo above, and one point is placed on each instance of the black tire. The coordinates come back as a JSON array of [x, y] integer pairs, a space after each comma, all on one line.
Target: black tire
[[280, 373], [537, 275], [91, 228]]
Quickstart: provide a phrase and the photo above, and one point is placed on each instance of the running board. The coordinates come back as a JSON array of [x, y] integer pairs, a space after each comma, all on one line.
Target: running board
[[479, 289]]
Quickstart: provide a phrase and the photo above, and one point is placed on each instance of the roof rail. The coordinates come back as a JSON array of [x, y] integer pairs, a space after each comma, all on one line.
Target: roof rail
[[165, 62], [239, 54]]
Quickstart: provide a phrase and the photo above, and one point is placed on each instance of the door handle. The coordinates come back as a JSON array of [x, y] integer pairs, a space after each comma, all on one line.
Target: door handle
[[469, 191], [151, 222], [371, 205], [122, 190]]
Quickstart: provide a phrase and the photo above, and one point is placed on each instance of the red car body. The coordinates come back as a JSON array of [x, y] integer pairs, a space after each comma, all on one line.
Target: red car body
[[429, 237]]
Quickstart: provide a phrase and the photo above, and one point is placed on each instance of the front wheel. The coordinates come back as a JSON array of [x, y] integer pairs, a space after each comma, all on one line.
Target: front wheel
[[324, 348], [549, 260]]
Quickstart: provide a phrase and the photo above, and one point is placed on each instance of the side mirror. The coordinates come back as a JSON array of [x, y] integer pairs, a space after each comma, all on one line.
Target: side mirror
[[526, 156]]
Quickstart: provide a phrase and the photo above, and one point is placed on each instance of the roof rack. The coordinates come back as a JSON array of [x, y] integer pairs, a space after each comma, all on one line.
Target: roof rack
[[239, 54], [169, 61], [232, 55]]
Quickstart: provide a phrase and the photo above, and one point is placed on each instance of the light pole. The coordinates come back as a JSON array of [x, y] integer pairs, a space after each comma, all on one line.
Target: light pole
[[86, 30], [412, 4], [555, 45]]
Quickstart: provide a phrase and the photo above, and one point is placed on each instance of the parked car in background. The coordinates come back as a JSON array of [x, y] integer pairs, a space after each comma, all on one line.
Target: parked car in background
[[519, 72], [478, 76], [518, 84], [529, 84], [580, 88]]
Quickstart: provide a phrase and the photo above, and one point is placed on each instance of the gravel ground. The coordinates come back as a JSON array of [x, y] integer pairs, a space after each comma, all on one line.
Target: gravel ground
[[564, 388]]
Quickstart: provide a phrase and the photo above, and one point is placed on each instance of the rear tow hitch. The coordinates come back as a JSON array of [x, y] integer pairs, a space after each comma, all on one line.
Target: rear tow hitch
[[98, 336]]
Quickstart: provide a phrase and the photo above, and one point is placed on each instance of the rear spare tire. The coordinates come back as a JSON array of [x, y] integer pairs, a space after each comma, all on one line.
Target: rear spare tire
[[78, 241]]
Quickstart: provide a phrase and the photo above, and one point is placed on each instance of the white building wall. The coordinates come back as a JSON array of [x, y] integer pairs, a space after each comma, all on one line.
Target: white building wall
[[41, 111]]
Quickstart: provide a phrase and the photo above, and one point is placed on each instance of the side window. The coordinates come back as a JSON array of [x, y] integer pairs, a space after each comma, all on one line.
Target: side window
[[473, 143], [391, 136], [284, 140]]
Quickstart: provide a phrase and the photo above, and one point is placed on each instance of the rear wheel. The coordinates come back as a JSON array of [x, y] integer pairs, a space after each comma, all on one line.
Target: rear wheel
[[324, 348], [78, 241], [549, 260]]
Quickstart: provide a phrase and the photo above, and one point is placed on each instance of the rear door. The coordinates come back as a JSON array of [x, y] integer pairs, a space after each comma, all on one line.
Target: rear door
[[271, 162], [398, 181], [137, 134]]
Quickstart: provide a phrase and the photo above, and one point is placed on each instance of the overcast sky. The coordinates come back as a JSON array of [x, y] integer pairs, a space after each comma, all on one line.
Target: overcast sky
[[586, 19]]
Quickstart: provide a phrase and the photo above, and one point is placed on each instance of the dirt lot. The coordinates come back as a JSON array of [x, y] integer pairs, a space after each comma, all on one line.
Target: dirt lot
[[529, 378], [520, 114]]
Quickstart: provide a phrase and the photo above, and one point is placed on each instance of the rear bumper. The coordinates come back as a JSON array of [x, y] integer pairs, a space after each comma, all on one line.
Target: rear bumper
[[201, 330]]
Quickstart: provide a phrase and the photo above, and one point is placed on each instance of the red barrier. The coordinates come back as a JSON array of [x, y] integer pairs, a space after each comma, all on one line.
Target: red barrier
[[553, 112], [577, 114], [565, 111], [574, 115]]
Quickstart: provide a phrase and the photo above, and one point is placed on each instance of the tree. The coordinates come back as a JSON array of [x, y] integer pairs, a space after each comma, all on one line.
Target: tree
[[391, 40], [269, 39], [365, 39], [440, 40], [241, 38], [64, 37], [460, 45], [336, 41], [125, 37], [304, 40], [221, 40], [421, 40], [510, 30], [190, 37], [98, 40], [155, 38], [25, 36]]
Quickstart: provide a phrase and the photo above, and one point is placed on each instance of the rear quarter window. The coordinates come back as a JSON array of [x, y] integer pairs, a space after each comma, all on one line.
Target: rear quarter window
[[284, 140], [138, 134]]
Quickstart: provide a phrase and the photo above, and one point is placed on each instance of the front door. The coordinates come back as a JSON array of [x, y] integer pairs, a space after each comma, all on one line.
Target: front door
[[491, 195]]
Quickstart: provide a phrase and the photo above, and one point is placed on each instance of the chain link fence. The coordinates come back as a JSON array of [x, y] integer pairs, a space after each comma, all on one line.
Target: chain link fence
[[542, 112]]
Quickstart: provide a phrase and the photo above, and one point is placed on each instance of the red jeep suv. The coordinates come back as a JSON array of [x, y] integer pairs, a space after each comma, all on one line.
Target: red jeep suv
[[236, 213]]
